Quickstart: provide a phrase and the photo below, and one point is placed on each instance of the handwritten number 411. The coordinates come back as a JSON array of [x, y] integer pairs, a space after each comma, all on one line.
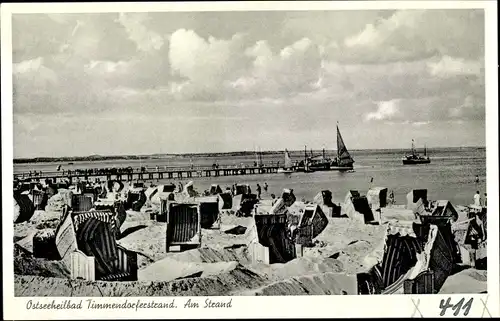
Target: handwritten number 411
[[455, 307]]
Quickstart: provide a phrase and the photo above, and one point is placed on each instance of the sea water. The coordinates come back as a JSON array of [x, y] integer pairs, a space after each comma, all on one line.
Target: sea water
[[450, 175]]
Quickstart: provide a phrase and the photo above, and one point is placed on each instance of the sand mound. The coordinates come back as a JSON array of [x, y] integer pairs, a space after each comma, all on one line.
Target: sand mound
[[466, 281], [318, 284], [134, 216], [57, 202], [298, 267], [27, 242], [45, 219], [211, 255], [236, 280], [40, 267], [149, 240], [349, 242], [168, 269]]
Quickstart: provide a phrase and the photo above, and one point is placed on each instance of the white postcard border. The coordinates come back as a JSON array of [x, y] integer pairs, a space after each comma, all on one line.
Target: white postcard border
[[260, 307]]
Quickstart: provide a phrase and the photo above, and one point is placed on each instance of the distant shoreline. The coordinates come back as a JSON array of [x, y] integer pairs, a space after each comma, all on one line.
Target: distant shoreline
[[215, 154]]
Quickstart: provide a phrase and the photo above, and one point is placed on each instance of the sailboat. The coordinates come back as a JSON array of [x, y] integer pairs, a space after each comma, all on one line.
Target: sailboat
[[288, 167], [413, 158], [343, 161]]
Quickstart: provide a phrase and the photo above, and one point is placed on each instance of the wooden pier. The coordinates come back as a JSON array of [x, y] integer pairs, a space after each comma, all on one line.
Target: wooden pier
[[149, 174]]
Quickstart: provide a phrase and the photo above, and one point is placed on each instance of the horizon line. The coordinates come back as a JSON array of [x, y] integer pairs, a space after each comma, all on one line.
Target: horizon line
[[236, 151]]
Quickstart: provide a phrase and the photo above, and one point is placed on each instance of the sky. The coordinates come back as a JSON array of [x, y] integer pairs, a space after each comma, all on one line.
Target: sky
[[184, 82]]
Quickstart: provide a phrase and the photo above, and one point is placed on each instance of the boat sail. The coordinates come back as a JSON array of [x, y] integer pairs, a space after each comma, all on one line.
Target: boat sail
[[288, 167], [344, 159], [288, 161]]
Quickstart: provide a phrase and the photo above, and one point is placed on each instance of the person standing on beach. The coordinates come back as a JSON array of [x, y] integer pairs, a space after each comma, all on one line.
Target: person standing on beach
[[477, 179], [265, 187], [477, 199], [258, 191]]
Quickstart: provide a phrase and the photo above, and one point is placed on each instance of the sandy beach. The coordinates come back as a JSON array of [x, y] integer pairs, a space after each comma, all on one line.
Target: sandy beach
[[223, 264]]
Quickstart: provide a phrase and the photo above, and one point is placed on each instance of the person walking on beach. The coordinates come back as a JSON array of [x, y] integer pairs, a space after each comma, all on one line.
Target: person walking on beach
[[265, 187], [477, 199], [477, 179], [258, 191]]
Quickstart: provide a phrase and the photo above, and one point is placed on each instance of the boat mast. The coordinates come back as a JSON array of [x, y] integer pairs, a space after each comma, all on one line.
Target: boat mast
[[425, 150], [412, 147], [338, 149]]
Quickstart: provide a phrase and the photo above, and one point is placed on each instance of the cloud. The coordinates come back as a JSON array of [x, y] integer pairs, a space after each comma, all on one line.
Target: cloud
[[145, 39], [450, 67], [414, 35], [295, 68], [471, 108], [398, 68], [204, 64], [385, 110]]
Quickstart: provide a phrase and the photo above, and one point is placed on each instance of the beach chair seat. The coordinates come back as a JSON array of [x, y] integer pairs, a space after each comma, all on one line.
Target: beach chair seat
[[314, 217], [377, 197], [209, 211], [215, 189], [183, 226], [227, 200], [39, 199], [87, 244], [82, 202], [23, 208], [272, 233], [358, 209]]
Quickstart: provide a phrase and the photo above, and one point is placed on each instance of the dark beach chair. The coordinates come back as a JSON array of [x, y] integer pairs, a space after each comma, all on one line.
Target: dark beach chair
[[288, 197], [26, 208], [357, 208], [87, 244], [243, 189], [215, 189], [82, 202], [39, 199], [183, 226], [377, 197], [227, 199], [273, 234], [312, 222], [135, 200], [209, 211]]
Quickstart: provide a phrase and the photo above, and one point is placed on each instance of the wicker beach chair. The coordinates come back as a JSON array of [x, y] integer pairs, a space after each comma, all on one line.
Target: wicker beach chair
[[209, 211], [86, 242], [273, 234], [82, 202], [39, 199], [183, 226]]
